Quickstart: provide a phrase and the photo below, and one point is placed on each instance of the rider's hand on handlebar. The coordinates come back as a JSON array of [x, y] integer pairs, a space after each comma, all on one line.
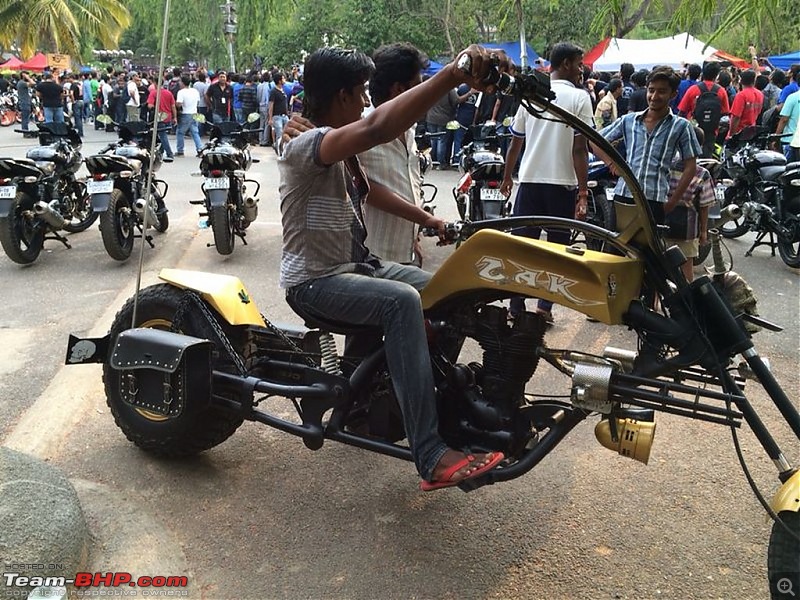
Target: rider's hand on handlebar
[[474, 64], [434, 222]]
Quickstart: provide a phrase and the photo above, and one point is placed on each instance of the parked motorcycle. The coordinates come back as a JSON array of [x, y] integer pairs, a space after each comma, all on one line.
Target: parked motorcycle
[[9, 113], [118, 189], [40, 194], [223, 163], [477, 193], [200, 358], [765, 191]]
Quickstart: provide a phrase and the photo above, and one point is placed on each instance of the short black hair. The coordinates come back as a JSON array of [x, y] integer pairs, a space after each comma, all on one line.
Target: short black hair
[[564, 51], [328, 70], [614, 85], [748, 77], [640, 77], [186, 80], [711, 70], [761, 82], [778, 77], [394, 63], [665, 74], [694, 70], [724, 79], [626, 70]]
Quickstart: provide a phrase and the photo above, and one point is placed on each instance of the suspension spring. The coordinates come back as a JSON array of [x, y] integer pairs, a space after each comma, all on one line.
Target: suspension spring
[[329, 354]]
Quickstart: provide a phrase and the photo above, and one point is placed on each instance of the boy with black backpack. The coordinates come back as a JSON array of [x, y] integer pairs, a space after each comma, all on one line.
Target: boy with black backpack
[[706, 102]]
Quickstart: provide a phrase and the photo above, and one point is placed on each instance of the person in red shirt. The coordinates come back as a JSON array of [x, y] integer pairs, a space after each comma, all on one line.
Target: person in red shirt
[[747, 104], [168, 114], [687, 103]]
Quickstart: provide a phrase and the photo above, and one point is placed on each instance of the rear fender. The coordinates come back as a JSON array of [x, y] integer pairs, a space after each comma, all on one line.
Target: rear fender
[[5, 207], [217, 197], [226, 294], [100, 202]]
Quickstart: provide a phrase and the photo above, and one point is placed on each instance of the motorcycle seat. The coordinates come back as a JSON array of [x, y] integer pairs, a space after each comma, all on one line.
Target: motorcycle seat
[[313, 321]]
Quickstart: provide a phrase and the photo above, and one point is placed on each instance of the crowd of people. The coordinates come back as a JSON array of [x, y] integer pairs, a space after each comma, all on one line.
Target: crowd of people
[[130, 95]]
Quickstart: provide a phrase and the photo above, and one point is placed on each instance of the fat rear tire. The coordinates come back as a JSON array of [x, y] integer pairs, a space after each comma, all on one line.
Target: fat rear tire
[[118, 226], [783, 556], [22, 238], [222, 226], [197, 428]]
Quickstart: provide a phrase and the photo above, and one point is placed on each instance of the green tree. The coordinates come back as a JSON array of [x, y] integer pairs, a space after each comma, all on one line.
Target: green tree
[[61, 25]]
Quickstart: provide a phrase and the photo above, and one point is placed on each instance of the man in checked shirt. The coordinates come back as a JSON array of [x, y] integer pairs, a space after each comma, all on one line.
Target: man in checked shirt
[[652, 139]]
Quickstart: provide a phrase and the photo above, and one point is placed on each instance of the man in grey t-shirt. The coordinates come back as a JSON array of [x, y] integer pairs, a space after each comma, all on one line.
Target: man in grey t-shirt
[[326, 267]]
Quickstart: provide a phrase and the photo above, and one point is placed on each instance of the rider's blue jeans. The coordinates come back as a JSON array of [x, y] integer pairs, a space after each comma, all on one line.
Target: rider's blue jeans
[[389, 300]]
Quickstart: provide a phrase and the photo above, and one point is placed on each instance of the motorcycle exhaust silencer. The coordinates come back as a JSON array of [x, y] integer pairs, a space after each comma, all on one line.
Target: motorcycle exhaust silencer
[[50, 215], [634, 438], [250, 209], [728, 214], [142, 205]]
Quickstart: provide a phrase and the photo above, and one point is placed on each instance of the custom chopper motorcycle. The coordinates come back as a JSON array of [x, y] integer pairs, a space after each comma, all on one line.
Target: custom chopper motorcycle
[[40, 194], [188, 360], [119, 177], [223, 164]]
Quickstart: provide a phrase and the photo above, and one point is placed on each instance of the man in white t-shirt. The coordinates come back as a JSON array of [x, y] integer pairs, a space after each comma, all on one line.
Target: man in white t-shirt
[[555, 161], [187, 101], [132, 105]]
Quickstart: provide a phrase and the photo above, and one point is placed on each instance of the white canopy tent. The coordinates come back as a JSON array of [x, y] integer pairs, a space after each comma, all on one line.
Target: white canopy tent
[[676, 52]]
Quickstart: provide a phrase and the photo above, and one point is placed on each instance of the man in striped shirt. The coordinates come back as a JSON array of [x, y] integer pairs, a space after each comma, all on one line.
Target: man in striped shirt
[[652, 139]]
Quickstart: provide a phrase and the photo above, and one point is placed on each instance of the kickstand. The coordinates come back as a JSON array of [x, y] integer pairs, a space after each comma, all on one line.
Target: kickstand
[[771, 243], [60, 238]]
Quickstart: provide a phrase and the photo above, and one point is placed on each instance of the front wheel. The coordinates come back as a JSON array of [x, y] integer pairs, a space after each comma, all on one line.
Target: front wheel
[[22, 234], [222, 226], [197, 427], [78, 202], [782, 556], [118, 226]]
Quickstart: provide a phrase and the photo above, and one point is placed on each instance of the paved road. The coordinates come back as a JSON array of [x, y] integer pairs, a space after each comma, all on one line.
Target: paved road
[[261, 517]]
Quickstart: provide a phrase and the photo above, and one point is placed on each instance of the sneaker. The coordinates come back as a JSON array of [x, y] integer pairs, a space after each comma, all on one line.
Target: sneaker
[[178, 154], [168, 159]]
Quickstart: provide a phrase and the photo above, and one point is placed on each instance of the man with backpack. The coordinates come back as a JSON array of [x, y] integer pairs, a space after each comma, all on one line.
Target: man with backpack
[[747, 104], [706, 102]]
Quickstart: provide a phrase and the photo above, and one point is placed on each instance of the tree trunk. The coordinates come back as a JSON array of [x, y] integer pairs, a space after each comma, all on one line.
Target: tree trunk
[[623, 25]]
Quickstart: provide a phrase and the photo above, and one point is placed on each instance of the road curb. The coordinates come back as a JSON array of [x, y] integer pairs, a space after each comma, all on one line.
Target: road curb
[[44, 531]]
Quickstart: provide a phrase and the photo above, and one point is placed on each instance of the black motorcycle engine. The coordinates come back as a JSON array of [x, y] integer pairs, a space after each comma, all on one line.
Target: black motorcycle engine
[[489, 395]]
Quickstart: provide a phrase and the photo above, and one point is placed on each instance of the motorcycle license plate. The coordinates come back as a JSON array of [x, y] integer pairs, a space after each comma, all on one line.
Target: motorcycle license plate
[[719, 193], [8, 191], [217, 183], [491, 194], [100, 187]]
